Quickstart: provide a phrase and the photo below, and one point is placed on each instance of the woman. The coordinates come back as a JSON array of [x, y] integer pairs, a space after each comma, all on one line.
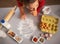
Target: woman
[[33, 5]]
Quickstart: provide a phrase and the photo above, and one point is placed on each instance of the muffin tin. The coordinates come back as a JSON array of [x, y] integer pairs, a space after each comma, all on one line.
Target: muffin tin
[[49, 24]]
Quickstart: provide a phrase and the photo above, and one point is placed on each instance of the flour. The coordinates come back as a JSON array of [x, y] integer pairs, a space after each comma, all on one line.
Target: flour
[[26, 27]]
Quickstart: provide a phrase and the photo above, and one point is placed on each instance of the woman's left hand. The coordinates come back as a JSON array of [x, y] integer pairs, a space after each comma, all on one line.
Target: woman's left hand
[[34, 13]]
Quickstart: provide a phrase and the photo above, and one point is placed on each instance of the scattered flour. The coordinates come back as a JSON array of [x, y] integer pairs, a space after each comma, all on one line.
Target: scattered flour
[[26, 27]]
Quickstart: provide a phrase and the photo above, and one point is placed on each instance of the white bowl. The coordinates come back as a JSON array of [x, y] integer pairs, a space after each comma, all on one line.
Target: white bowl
[[46, 10], [33, 38], [43, 41]]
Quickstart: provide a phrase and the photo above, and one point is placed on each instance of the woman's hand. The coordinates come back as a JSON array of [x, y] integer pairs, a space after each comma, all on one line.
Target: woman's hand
[[34, 13], [23, 16], [22, 13]]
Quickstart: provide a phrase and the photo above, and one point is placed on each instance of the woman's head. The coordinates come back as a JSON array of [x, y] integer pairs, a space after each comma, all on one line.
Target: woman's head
[[30, 4]]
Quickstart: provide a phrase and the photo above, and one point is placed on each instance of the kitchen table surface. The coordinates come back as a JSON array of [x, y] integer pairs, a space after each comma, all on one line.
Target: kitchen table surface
[[14, 21]]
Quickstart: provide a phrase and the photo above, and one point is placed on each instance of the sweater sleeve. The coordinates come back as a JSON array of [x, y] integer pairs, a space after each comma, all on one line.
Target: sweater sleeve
[[41, 4], [19, 4]]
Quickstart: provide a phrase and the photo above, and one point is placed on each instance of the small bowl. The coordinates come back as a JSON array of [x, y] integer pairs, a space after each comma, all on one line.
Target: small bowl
[[33, 39], [18, 39], [41, 41], [11, 33], [46, 10]]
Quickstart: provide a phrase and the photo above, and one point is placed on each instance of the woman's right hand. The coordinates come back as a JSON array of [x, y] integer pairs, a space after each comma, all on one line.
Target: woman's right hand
[[23, 16]]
